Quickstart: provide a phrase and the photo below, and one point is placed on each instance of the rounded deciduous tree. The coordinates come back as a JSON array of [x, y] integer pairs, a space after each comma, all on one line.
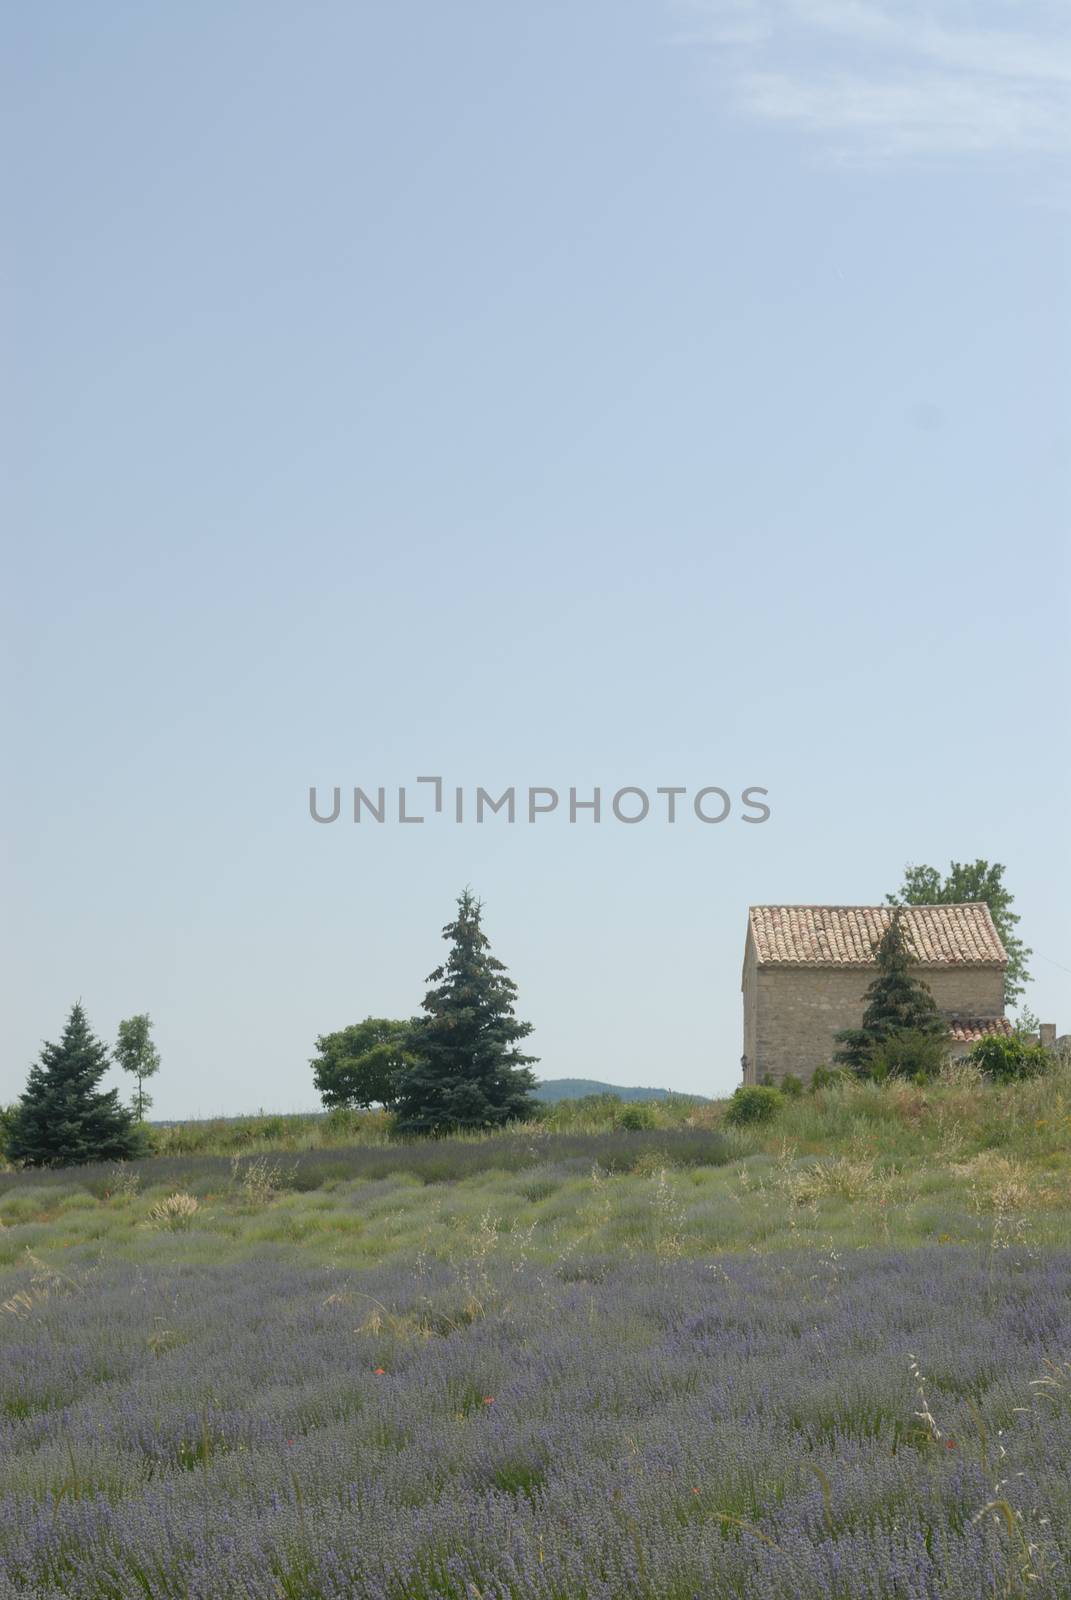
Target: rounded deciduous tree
[[968, 881], [361, 1065]]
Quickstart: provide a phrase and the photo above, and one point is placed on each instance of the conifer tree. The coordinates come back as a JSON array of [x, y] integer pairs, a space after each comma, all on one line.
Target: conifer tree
[[63, 1119], [896, 1003], [468, 1071]]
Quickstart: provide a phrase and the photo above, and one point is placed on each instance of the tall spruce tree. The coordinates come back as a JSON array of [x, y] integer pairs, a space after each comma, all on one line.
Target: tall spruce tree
[[468, 1072], [63, 1119], [896, 1003]]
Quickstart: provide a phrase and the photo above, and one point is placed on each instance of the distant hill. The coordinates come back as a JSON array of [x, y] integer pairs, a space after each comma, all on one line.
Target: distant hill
[[576, 1088]]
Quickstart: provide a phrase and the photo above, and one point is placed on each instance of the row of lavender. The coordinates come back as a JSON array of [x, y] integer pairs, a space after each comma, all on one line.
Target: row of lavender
[[670, 1429]]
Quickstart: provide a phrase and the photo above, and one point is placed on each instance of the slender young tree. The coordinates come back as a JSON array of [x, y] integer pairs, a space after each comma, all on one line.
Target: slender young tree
[[896, 1004], [136, 1053], [468, 1071], [63, 1119]]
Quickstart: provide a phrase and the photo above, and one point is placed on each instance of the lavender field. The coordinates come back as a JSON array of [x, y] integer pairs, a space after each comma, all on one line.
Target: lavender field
[[587, 1427]]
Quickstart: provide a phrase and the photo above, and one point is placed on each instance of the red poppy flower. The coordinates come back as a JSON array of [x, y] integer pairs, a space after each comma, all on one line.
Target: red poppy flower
[[381, 1372]]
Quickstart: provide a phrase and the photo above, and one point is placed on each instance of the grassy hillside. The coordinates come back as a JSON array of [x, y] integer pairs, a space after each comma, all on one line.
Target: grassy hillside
[[861, 1164]]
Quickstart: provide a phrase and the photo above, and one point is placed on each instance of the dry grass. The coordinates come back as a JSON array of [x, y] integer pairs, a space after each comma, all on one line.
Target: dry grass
[[996, 1182], [177, 1211], [45, 1281], [839, 1176], [258, 1180]]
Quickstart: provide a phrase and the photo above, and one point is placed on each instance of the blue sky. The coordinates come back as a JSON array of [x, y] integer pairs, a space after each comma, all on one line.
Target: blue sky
[[566, 395]]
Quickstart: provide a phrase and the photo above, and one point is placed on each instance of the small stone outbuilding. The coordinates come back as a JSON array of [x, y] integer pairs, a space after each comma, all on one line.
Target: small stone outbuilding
[[807, 969]]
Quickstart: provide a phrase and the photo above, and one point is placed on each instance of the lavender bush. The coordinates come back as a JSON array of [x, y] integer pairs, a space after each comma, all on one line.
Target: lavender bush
[[431, 1160], [795, 1425]]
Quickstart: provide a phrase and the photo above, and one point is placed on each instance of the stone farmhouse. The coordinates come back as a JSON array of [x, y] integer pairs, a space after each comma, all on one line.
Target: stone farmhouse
[[807, 968]]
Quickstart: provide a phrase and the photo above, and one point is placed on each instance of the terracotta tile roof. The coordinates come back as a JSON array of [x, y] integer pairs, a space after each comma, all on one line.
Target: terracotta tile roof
[[965, 1030], [847, 936]]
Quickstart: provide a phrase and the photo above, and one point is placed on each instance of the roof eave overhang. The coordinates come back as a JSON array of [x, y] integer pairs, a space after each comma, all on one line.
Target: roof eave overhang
[[773, 965]]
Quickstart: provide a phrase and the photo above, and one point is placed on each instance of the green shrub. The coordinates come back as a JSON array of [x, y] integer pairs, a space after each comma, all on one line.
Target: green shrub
[[909, 1053], [341, 1120], [636, 1116], [753, 1103], [149, 1143], [828, 1078], [791, 1086], [7, 1115], [588, 1111], [1006, 1057]]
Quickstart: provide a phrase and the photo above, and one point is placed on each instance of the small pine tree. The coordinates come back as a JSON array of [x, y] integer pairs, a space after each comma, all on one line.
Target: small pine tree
[[63, 1119], [468, 1072], [135, 1052], [896, 1004]]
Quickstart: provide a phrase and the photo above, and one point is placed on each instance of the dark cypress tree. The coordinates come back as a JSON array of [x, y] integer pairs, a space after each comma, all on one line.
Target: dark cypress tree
[[896, 1003], [468, 1072], [63, 1119]]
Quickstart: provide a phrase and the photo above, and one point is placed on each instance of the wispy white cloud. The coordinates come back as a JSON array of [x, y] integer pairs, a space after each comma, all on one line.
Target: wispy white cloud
[[873, 80]]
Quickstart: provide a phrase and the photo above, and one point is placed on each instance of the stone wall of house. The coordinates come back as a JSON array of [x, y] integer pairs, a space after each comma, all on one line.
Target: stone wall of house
[[794, 1013], [798, 1010], [749, 987], [968, 991]]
